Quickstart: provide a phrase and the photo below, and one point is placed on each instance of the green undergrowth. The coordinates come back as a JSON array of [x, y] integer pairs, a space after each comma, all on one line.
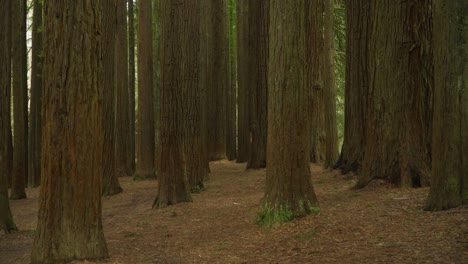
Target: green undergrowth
[[270, 215]]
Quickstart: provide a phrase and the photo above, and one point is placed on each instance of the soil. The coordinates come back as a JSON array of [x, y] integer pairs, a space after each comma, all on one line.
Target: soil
[[379, 224]]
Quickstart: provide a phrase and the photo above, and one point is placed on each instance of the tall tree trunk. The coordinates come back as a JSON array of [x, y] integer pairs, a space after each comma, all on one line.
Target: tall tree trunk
[[123, 160], [331, 139], [218, 87], [315, 46], [6, 219], [146, 147], [289, 192], [449, 185], [401, 85], [20, 100], [192, 112], [110, 182], [69, 223], [156, 70], [131, 82], [179, 52], [243, 137], [34, 151], [231, 120], [358, 49], [206, 44], [258, 82]]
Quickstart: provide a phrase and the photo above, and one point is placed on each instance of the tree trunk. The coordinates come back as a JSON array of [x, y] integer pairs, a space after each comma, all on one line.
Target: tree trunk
[[124, 163], [231, 120], [69, 223], [6, 219], [131, 82], [192, 112], [358, 49], [258, 82], [289, 192], [20, 101], [314, 58], [179, 53], [110, 182], [146, 147], [34, 151], [331, 139], [206, 44], [218, 87], [449, 186], [156, 70], [401, 85], [243, 137]]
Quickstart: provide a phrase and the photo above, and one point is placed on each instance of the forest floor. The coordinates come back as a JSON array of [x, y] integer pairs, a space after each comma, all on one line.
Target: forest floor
[[378, 224]]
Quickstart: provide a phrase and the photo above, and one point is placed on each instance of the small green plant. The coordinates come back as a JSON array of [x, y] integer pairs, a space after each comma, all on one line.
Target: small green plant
[[269, 215], [197, 188]]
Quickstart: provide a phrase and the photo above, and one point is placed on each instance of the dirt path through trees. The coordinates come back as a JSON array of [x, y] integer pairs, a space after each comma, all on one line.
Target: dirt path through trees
[[378, 224]]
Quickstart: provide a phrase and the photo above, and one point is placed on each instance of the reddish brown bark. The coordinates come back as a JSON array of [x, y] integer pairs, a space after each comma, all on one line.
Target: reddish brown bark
[[69, 222], [289, 192], [258, 82], [20, 100]]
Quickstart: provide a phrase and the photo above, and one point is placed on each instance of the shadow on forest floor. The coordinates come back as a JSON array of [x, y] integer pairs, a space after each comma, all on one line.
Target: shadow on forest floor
[[378, 224]]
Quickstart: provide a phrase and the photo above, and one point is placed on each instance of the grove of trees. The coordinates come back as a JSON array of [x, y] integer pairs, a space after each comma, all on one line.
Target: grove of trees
[[91, 91]]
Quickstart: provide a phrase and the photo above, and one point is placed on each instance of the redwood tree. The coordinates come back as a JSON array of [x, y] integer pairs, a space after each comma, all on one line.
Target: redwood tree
[[123, 150], [289, 192], [331, 139], [20, 100], [231, 120], [179, 50], [358, 49], [69, 223], [110, 183], [218, 86], [6, 219], [401, 83], [131, 83], [243, 137], [258, 82], [314, 50], [34, 151], [449, 185], [145, 146]]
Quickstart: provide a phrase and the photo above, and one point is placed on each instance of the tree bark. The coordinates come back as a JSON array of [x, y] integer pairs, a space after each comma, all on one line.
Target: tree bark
[[69, 223], [315, 59], [258, 82], [110, 182], [331, 139], [6, 219], [179, 52], [34, 151], [131, 83], [401, 83], [289, 192], [449, 185], [218, 87], [231, 120], [156, 71], [358, 50], [206, 44], [146, 147], [20, 100], [123, 160], [243, 137]]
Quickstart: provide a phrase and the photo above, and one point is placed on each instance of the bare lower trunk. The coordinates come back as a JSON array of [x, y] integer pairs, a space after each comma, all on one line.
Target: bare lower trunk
[[289, 192], [69, 222]]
